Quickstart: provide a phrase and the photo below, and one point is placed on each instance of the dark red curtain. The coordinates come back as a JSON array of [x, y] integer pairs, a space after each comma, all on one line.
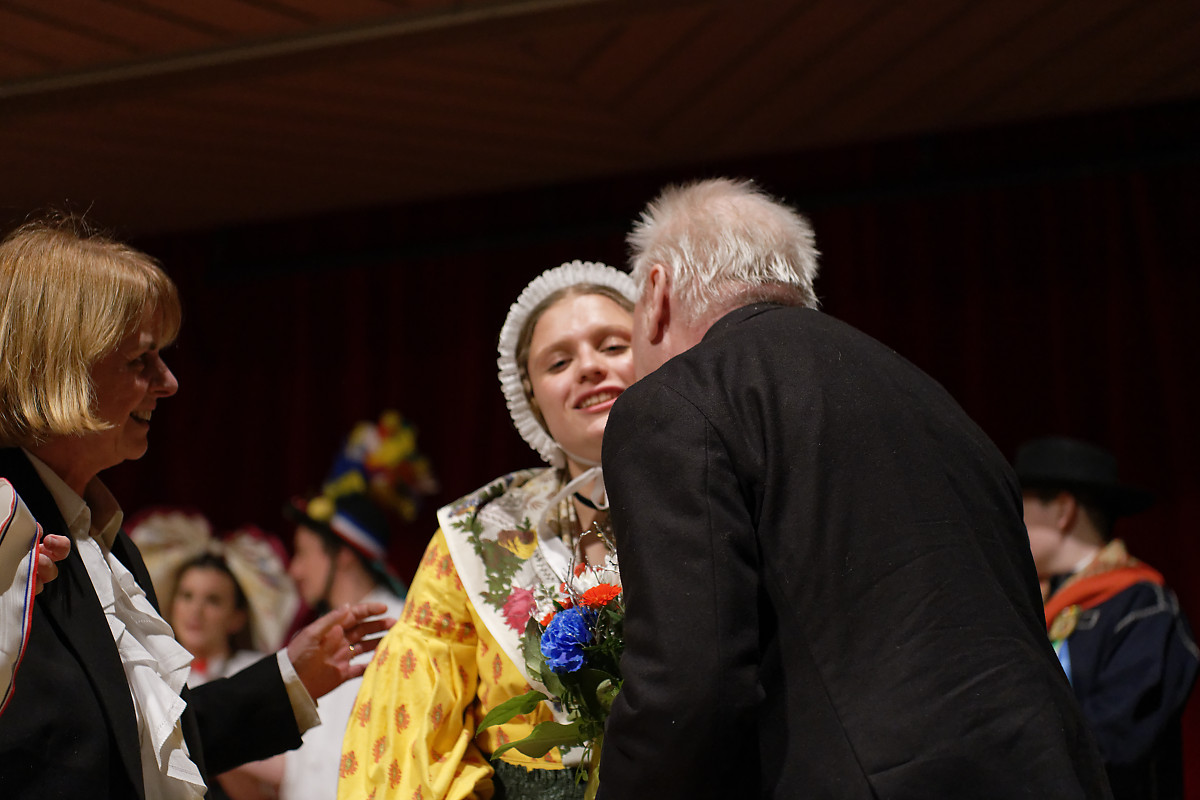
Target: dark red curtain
[[1046, 274]]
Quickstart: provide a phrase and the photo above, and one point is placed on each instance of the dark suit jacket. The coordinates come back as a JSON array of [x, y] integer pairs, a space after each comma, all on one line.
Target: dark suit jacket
[[829, 586], [70, 730]]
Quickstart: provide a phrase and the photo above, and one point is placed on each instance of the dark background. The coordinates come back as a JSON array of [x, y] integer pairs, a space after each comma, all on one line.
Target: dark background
[[1045, 273]]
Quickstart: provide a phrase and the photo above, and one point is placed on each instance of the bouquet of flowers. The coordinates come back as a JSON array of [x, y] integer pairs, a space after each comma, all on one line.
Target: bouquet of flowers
[[573, 646]]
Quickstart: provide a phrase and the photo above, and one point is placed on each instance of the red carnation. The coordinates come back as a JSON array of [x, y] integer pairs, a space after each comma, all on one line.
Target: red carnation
[[599, 596]]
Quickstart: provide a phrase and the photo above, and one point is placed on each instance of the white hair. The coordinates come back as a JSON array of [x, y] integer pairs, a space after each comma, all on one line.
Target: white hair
[[725, 241]]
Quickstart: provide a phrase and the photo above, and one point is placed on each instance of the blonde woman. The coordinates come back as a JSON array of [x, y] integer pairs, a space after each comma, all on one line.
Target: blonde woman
[[99, 708]]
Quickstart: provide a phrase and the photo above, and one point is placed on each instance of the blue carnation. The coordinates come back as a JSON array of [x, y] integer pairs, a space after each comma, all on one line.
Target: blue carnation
[[563, 641]]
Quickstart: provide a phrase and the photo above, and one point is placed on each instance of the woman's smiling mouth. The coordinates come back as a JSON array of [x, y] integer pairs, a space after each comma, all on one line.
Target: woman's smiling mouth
[[598, 398]]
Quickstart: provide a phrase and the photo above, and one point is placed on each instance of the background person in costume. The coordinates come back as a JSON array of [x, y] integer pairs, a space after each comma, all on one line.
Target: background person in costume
[[230, 597], [99, 707], [828, 589], [1126, 647], [209, 614], [231, 601], [341, 543], [456, 652]]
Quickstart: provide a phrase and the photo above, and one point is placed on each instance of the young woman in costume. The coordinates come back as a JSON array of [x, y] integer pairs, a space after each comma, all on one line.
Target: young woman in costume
[[457, 651]]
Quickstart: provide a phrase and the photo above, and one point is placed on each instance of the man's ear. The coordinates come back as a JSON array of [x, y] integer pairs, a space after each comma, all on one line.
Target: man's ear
[[657, 293]]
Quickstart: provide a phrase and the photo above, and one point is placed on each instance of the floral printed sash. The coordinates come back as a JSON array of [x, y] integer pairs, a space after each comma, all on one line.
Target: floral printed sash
[[509, 568]]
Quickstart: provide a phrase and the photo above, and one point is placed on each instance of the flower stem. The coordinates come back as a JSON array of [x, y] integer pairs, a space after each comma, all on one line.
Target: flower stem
[[593, 781]]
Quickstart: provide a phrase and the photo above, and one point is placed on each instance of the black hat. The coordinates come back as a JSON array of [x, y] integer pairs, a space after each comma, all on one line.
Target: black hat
[[1057, 462]]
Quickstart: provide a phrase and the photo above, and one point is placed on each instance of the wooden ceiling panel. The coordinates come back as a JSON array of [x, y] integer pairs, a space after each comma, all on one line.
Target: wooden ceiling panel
[[17, 63], [906, 96], [1150, 58], [626, 54], [1103, 54], [1024, 60], [187, 113], [822, 90], [701, 55], [63, 47], [756, 77], [141, 33], [236, 19], [573, 50], [341, 12]]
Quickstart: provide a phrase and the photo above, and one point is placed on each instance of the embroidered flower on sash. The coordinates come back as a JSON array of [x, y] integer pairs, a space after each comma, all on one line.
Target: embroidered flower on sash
[[519, 543], [518, 608]]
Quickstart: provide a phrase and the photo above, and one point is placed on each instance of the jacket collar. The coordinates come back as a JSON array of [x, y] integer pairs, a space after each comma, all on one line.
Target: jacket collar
[[738, 316]]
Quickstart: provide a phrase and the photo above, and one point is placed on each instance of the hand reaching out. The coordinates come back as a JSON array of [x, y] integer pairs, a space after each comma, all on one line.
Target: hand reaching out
[[321, 651], [53, 548]]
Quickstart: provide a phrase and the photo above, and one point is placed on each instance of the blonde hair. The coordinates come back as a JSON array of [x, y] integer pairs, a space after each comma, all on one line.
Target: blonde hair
[[725, 241], [68, 296]]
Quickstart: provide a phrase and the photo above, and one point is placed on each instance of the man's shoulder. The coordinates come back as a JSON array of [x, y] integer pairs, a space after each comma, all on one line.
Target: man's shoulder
[[1144, 603]]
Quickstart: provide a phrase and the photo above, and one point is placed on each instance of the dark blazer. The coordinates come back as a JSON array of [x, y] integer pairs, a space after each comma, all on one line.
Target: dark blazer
[[829, 586], [70, 730]]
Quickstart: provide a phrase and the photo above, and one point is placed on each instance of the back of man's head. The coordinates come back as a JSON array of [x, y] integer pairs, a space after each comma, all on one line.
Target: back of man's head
[[726, 243]]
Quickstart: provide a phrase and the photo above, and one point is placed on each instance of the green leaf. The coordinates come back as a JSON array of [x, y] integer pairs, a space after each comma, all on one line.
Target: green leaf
[[511, 708], [606, 693], [553, 683], [589, 682], [531, 649], [545, 736]]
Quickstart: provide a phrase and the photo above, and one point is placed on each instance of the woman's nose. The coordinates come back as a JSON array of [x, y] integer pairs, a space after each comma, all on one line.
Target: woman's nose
[[590, 365], [165, 383]]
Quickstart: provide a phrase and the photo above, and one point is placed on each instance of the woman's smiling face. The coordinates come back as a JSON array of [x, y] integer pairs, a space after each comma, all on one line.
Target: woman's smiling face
[[129, 382], [579, 362]]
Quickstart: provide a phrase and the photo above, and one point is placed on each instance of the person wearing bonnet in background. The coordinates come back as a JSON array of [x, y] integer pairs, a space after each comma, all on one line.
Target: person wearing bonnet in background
[[1124, 643], [99, 706], [230, 597], [457, 653], [231, 601]]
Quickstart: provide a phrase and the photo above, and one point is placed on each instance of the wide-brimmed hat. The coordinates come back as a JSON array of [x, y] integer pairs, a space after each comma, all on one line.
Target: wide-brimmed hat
[[378, 472], [1059, 462], [171, 538]]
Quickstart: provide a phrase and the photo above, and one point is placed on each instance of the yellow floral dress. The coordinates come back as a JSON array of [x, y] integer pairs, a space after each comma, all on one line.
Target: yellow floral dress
[[435, 675]]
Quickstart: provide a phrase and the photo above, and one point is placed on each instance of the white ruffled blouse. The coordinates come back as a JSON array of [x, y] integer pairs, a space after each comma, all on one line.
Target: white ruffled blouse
[[156, 665]]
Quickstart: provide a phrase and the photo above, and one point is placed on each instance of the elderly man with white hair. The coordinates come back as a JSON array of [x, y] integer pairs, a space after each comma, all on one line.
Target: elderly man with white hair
[[829, 588]]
